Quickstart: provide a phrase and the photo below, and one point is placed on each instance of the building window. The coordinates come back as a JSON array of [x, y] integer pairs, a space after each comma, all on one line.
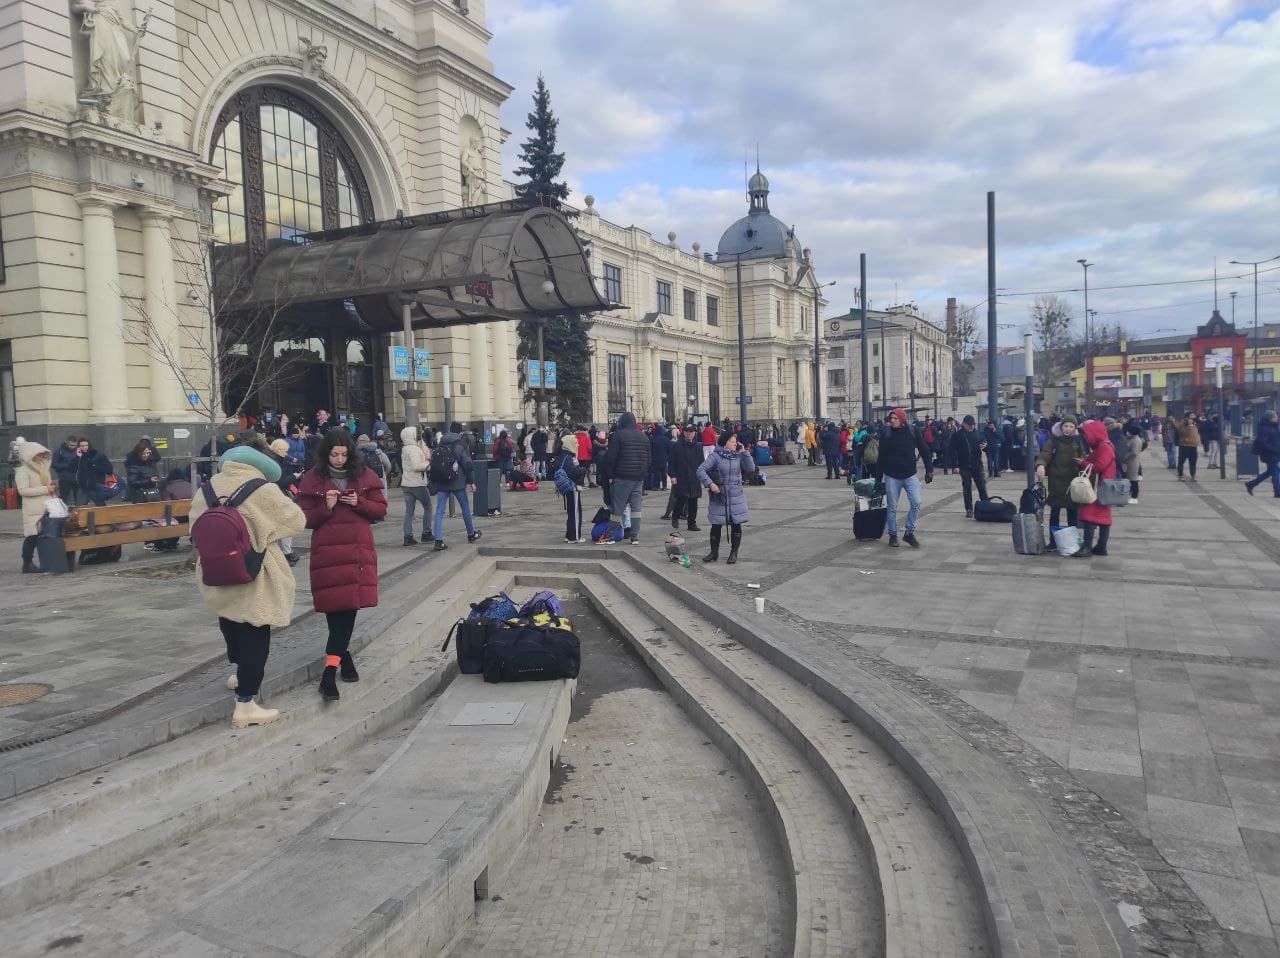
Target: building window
[[664, 297], [293, 173], [782, 371], [617, 394], [835, 379], [777, 312], [713, 311], [836, 352], [8, 395], [691, 393], [713, 393], [1, 251], [690, 305], [875, 375], [804, 318], [612, 283], [667, 373], [875, 349]]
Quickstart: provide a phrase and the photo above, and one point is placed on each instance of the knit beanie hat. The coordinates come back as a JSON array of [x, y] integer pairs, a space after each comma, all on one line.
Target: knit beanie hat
[[253, 457], [1068, 419]]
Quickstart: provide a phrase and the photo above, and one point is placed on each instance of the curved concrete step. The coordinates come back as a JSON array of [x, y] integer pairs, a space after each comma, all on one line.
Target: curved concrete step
[[930, 908], [837, 902], [60, 837]]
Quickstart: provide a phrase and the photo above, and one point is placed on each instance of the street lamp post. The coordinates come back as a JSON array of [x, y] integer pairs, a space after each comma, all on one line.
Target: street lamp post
[[1088, 344], [817, 333], [1255, 264], [742, 336]]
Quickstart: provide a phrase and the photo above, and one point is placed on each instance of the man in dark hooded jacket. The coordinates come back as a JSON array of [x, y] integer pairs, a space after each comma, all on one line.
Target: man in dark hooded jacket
[[627, 463], [831, 450], [965, 450], [900, 441]]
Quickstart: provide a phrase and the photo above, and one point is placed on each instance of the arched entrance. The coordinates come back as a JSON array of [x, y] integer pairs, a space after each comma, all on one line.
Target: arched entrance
[[294, 174]]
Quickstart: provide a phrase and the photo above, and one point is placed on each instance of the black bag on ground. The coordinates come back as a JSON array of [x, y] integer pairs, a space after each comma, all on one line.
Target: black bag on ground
[[1032, 501], [523, 651], [869, 521], [52, 553], [471, 636], [994, 509]]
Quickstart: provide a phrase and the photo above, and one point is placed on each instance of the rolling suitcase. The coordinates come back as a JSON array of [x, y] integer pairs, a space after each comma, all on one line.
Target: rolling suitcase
[[1028, 534], [869, 518]]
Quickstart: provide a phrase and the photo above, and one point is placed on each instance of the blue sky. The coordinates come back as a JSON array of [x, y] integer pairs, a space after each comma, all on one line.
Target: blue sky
[[1141, 134]]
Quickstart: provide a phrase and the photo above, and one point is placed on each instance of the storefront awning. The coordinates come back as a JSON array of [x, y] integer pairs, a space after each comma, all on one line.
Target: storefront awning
[[502, 261]]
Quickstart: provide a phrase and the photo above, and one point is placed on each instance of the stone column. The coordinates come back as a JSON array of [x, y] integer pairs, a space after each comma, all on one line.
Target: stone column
[[655, 390], [504, 371], [481, 403], [168, 396], [108, 371]]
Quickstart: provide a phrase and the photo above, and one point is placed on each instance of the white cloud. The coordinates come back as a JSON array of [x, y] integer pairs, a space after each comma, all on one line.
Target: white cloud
[[1142, 135]]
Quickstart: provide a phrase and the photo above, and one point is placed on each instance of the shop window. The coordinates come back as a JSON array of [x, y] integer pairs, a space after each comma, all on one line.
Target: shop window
[[8, 395]]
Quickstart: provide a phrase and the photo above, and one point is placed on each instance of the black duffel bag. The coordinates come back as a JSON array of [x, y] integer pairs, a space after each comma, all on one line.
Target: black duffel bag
[[524, 650], [470, 637], [994, 509]]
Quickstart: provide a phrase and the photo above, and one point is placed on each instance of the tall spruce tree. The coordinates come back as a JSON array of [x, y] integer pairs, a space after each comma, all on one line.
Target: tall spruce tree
[[542, 164]]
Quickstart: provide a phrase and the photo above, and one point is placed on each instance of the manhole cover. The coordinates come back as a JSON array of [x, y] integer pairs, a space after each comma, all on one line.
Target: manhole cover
[[20, 693]]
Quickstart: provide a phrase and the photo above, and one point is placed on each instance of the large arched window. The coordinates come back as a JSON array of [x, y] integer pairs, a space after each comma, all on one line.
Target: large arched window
[[293, 172]]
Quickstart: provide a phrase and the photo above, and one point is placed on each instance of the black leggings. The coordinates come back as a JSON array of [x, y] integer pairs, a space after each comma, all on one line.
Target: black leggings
[[685, 508], [1188, 454], [1073, 513], [29, 549], [1104, 536], [735, 536], [247, 649], [341, 625]]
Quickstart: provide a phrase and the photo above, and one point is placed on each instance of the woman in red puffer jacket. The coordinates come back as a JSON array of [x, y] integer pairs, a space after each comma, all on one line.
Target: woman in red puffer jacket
[[341, 497], [1095, 517]]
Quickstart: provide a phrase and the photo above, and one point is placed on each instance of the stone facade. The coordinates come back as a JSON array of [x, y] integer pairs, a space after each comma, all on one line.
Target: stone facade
[[898, 378], [108, 179], [689, 329]]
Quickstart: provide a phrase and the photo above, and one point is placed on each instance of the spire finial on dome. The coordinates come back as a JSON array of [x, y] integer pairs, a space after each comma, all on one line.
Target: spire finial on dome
[[758, 189]]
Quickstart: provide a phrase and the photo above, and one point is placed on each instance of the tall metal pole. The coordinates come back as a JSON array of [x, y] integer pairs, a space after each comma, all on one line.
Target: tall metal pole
[[1222, 427], [1255, 264], [1088, 344], [866, 348], [1028, 405], [742, 347], [936, 387], [884, 371], [542, 413], [911, 345], [817, 332], [993, 386]]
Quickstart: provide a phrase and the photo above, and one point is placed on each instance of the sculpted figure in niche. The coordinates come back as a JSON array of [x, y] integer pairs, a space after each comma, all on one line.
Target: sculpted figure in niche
[[472, 163], [113, 51]]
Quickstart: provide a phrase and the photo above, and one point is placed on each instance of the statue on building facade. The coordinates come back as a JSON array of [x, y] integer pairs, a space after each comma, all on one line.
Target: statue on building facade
[[113, 56], [472, 164]]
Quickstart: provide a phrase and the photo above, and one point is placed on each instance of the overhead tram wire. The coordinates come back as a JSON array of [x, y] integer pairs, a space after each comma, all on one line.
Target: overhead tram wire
[[1174, 282]]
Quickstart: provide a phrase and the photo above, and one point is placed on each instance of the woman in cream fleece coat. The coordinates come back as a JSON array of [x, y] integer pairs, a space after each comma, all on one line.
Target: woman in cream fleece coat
[[247, 612], [35, 485]]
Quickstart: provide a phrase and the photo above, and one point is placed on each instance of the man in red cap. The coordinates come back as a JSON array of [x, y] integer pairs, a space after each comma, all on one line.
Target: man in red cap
[[900, 441]]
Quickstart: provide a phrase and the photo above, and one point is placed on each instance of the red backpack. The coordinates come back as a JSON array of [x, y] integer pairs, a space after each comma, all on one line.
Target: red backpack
[[221, 538]]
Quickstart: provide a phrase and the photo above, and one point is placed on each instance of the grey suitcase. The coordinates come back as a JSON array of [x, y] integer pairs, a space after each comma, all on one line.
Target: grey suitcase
[[1028, 534]]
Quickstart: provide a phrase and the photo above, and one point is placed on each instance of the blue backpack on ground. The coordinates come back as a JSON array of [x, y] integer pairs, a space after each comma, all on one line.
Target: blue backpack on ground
[[545, 601], [606, 531], [498, 607]]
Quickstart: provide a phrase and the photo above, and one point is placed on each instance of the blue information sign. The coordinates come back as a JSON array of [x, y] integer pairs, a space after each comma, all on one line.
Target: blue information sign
[[549, 374], [398, 360], [533, 373]]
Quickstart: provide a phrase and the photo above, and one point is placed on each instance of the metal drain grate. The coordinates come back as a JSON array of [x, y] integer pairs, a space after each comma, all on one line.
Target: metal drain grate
[[20, 693]]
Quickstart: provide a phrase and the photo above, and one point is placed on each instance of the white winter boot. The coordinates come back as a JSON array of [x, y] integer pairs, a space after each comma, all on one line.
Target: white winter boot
[[251, 713]]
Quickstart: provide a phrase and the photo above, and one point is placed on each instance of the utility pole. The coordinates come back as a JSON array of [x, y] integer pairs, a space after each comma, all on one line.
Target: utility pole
[[1222, 425], [1028, 404], [411, 393], [742, 337], [817, 346], [1255, 264], [1088, 344], [993, 386], [866, 348]]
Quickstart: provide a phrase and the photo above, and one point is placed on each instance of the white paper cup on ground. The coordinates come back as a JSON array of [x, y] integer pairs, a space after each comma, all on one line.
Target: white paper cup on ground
[[759, 603]]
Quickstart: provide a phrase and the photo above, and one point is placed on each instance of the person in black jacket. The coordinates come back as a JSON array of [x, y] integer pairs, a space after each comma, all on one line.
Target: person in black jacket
[[65, 464], [627, 463], [686, 457], [831, 454], [900, 441], [450, 474], [92, 469], [659, 455], [966, 450]]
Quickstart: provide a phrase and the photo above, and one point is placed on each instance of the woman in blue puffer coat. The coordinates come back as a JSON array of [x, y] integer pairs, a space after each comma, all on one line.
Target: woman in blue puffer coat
[[721, 474]]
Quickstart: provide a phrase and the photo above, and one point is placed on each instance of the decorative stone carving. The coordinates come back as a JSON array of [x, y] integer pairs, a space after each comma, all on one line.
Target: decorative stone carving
[[474, 191], [112, 77], [314, 57]]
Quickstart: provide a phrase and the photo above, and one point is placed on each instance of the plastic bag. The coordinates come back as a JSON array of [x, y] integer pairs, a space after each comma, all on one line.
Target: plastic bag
[[55, 508], [1066, 539]]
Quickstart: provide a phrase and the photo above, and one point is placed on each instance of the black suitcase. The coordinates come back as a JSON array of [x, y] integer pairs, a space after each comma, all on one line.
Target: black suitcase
[[525, 652], [868, 524], [53, 555]]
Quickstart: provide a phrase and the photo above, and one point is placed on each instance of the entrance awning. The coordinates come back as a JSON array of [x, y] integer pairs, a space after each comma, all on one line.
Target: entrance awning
[[501, 261]]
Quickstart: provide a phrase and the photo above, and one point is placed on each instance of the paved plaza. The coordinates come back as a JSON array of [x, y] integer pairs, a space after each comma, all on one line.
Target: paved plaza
[[1151, 677]]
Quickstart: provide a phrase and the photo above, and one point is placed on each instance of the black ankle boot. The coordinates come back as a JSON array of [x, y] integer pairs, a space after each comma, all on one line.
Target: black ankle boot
[[733, 557], [347, 669], [30, 567], [712, 556], [329, 684]]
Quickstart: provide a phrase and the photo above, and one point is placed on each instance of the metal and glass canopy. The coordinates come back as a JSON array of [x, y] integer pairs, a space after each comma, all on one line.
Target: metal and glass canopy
[[501, 261]]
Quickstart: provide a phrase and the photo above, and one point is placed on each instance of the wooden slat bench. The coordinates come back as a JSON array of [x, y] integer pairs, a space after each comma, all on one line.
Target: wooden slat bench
[[81, 530]]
